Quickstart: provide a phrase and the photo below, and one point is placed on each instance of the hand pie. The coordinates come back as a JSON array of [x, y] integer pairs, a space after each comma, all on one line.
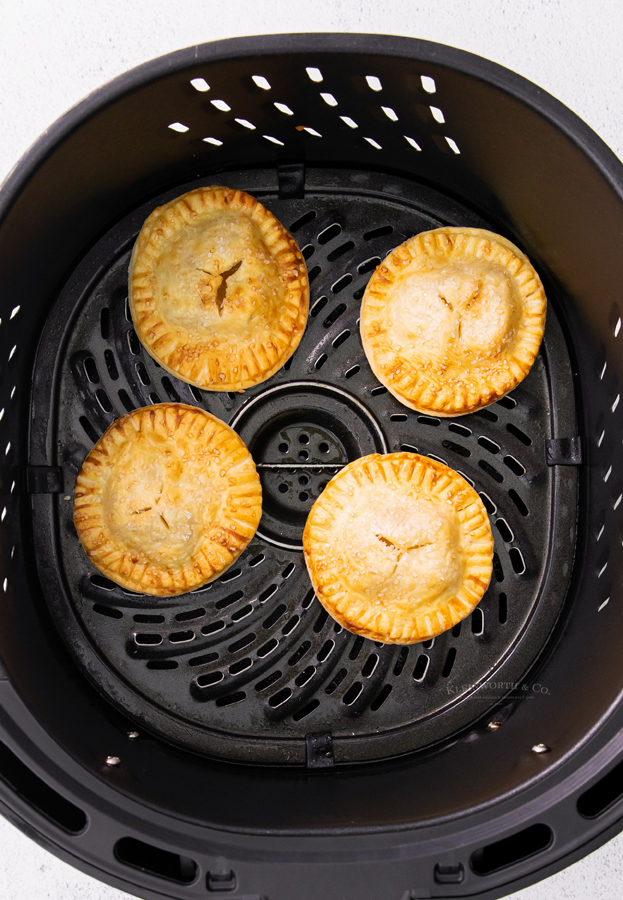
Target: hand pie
[[452, 320], [398, 548], [218, 289], [167, 499]]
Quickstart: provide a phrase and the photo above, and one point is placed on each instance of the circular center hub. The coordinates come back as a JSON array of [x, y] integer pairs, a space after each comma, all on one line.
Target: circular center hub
[[300, 435]]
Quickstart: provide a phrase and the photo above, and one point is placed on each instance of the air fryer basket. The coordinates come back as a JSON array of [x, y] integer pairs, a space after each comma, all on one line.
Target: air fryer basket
[[236, 740]]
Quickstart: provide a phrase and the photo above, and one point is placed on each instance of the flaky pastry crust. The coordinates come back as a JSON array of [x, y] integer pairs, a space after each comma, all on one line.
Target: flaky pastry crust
[[218, 289], [452, 320], [398, 548], [167, 499]]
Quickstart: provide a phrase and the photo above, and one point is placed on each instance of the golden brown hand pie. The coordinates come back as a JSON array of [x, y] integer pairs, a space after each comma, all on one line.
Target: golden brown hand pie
[[167, 499], [452, 320], [218, 289], [398, 548]]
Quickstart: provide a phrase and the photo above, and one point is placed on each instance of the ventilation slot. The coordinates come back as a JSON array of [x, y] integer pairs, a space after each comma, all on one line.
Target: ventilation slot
[[306, 710], [229, 600], [517, 432], [304, 220], [108, 611], [521, 506], [502, 609], [156, 861], [401, 661], [381, 697], [191, 614], [603, 794], [241, 643], [230, 699], [336, 681], [334, 315], [34, 791], [456, 448], [511, 850]]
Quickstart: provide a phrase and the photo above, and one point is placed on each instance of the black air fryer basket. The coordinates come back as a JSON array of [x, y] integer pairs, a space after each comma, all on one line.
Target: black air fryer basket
[[235, 741]]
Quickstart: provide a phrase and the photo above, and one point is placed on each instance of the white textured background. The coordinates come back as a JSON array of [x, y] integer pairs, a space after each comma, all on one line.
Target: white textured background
[[53, 52]]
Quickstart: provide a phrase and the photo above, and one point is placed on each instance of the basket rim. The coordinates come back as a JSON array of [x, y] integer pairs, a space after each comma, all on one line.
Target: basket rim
[[318, 43]]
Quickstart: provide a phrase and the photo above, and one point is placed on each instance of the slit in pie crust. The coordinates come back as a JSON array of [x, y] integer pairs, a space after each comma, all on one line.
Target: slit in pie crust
[[452, 320], [167, 499], [398, 547], [218, 289]]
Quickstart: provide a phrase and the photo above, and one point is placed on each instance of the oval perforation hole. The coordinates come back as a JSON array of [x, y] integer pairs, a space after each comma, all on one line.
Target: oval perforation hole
[[290, 625], [478, 622], [191, 614], [240, 644], [267, 648], [449, 663], [514, 465], [105, 322], [428, 420], [306, 710], [134, 344], [502, 609], [242, 613], [303, 677], [352, 693], [341, 338], [268, 681], [329, 233], [377, 391], [90, 368], [230, 699], [489, 445], [456, 448], [274, 617], [378, 232], [256, 560], [507, 402], [203, 660], [104, 583], [213, 627], [381, 697], [336, 681], [298, 654], [227, 601], [505, 531], [162, 664], [421, 667], [498, 571], [521, 506], [280, 697], [341, 283], [356, 648], [368, 265], [270, 590], [241, 666], [334, 315], [181, 637], [456, 630], [303, 220], [229, 576], [149, 618], [104, 400], [519, 434], [325, 651], [517, 560], [148, 640], [493, 473], [460, 429], [401, 661], [319, 305], [111, 365], [370, 665], [126, 400], [486, 414], [110, 612], [169, 390], [90, 432], [352, 371], [340, 251]]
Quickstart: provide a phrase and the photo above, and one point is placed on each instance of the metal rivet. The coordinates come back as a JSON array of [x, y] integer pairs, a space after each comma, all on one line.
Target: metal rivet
[[113, 761], [493, 726], [540, 748], [133, 735]]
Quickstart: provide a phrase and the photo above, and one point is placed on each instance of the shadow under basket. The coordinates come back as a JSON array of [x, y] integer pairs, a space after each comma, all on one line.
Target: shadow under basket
[[235, 741]]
